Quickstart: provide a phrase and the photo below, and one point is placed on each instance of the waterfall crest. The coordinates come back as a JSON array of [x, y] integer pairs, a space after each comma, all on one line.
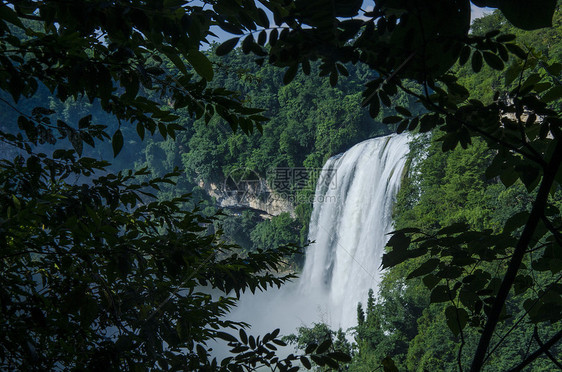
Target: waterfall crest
[[351, 218]]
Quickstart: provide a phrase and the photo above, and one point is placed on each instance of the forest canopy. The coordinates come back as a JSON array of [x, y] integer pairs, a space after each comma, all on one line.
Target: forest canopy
[[98, 272]]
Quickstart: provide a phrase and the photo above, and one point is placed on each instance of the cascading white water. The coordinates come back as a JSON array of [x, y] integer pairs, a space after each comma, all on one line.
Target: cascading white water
[[350, 222], [349, 225]]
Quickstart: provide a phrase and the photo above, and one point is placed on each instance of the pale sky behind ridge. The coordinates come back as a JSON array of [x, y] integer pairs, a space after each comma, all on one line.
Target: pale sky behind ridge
[[476, 12]]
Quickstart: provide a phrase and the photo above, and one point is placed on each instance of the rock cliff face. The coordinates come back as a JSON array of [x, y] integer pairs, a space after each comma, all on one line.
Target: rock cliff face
[[250, 195]]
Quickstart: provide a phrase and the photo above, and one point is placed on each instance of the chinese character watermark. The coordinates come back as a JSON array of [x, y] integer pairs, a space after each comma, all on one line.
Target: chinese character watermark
[[282, 183], [289, 180]]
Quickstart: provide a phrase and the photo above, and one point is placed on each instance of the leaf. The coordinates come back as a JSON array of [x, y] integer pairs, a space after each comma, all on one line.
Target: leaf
[[279, 342], [505, 38], [512, 73], [450, 141], [348, 8], [554, 69], [201, 64], [342, 69], [270, 346], [431, 281], [8, 14], [227, 337], [553, 94], [331, 363], [176, 60], [117, 142], [305, 362], [201, 352], [509, 176], [85, 121], [384, 98], [528, 15], [516, 49], [502, 52], [428, 122], [225, 361], [403, 111], [493, 61], [262, 38], [163, 130], [392, 119], [476, 61], [76, 141], [340, 356], [399, 242], [454, 228], [374, 108], [333, 78], [290, 74], [425, 268], [34, 165], [439, 294], [262, 19], [306, 67], [516, 221], [522, 283], [491, 34], [273, 35], [247, 44], [310, 348], [87, 138], [318, 360], [456, 319], [402, 126], [239, 349], [464, 55], [468, 296], [324, 346], [243, 336], [140, 130], [388, 365], [227, 46], [414, 123]]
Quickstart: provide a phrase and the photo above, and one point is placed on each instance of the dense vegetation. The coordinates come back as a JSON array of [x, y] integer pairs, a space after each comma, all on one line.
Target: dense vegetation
[[310, 121], [401, 325], [103, 268], [445, 188]]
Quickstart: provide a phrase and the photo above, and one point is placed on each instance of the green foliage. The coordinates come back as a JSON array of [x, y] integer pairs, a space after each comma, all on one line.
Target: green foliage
[[469, 210], [329, 347], [135, 264], [309, 122], [96, 272], [517, 128], [105, 277], [239, 226], [280, 230]]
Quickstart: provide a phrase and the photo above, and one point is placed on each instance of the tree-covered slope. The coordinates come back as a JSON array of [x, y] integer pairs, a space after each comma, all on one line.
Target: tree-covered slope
[[309, 121], [407, 323]]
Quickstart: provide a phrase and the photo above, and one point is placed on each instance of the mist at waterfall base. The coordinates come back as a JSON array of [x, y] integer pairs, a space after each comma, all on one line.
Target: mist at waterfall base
[[349, 226]]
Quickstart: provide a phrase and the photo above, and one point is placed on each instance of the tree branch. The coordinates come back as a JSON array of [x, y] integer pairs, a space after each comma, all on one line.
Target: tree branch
[[474, 128], [546, 351], [543, 349], [529, 231], [522, 316]]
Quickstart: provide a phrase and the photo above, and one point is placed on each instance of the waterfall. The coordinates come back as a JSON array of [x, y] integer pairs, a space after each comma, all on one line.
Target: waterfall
[[351, 218]]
